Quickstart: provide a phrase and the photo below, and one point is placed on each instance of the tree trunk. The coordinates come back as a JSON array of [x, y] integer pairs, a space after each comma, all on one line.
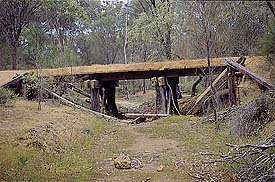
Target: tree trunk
[[14, 57], [213, 100]]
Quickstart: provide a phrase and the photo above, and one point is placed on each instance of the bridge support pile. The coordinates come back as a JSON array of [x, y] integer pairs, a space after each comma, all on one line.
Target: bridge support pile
[[103, 96], [166, 95]]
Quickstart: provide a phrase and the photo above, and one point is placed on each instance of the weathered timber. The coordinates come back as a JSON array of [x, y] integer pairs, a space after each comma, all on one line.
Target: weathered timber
[[95, 99], [231, 86], [95, 95], [155, 83], [218, 84], [162, 91], [169, 101], [129, 71], [136, 115], [131, 75], [72, 104], [136, 70], [23, 89], [158, 99], [249, 73], [179, 95], [172, 87], [110, 95]]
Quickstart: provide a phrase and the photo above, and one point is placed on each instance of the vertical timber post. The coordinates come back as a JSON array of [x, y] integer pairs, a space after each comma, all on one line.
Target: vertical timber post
[[172, 83], [161, 101], [23, 88], [231, 86], [110, 94], [162, 94], [95, 97], [154, 82]]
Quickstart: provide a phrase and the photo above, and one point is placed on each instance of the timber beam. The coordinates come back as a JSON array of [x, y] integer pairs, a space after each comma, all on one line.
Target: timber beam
[[132, 75], [249, 73]]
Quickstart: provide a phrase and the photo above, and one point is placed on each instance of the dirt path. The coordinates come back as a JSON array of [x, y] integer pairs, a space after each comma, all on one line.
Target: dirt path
[[146, 143], [153, 153], [127, 104]]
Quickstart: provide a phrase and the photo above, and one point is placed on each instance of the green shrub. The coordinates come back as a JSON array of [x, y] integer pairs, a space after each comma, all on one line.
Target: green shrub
[[6, 95]]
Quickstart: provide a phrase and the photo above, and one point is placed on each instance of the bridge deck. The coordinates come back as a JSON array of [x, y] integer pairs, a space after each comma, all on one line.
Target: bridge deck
[[129, 71]]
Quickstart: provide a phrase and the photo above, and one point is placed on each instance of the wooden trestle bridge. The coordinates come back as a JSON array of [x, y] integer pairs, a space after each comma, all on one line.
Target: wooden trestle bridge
[[102, 80]]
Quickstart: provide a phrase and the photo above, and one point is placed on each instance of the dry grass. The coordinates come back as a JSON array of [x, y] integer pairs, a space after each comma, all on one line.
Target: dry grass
[[63, 144], [58, 143]]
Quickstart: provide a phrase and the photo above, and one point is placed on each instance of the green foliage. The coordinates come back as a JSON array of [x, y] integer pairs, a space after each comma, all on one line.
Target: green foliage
[[34, 38], [267, 42], [103, 42], [56, 59], [75, 32], [33, 83], [6, 95], [69, 11], [23, 160], [153, 27], [76, 98]]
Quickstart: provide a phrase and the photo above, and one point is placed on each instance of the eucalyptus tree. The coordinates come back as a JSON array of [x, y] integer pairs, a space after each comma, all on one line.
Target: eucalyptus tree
[[63, 20], [153, 26], [103, 41], [4, 51], [15, 15], [234, 29]]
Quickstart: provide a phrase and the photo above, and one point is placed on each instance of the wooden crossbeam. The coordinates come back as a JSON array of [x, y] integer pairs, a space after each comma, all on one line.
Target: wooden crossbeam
[[249, 73], [136, 115]]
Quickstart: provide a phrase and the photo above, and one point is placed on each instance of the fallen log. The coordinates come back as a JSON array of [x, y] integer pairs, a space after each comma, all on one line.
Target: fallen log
[[72, 104]]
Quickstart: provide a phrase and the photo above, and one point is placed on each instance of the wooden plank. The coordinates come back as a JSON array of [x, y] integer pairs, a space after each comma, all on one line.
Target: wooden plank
[[132, 75], [110, 94], [133, 68], [218, 82], [70, 103], [162, 90], [136, 115], [221, 79], [249, 73]]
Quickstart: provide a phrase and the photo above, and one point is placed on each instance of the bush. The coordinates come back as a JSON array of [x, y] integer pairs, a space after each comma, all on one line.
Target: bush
[[6, 95], [247, 119]]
